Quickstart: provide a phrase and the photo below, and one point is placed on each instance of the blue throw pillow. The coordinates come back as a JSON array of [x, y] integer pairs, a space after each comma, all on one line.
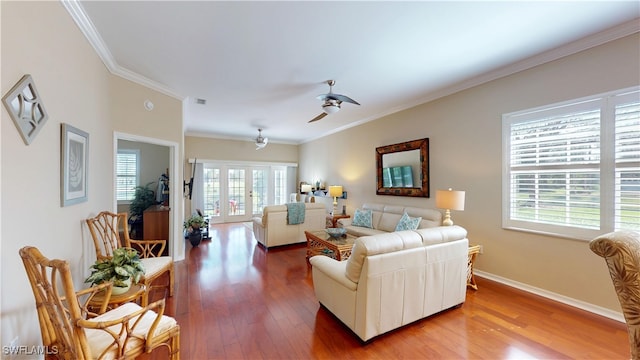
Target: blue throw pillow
[[408, 223], [363, 218]]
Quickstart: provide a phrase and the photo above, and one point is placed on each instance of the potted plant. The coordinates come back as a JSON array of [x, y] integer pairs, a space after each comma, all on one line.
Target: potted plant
[[124, 269], [193, 226], [143, 197]]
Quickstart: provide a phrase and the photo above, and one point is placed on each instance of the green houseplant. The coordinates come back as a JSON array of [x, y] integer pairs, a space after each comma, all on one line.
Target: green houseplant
[[193, 227], [124, 269], [143, 197]]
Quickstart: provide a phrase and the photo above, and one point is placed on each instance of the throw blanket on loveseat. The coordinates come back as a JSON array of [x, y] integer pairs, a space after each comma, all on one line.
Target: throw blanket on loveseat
[[295, 213]]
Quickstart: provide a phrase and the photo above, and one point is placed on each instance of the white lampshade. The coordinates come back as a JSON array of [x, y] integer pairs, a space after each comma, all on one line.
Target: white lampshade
[[305, 188], [335, 190], [449, 200]]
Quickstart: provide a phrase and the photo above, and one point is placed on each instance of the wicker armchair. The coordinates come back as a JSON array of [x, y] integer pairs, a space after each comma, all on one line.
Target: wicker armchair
[[67, 330], [621, 250], [105, 230]]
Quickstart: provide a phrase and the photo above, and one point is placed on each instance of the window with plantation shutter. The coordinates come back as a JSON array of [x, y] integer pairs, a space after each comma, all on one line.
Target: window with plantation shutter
[[127, 173], [573, 169]]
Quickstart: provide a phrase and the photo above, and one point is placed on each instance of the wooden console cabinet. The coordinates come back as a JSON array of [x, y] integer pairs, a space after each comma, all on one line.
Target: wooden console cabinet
[[155, 223]]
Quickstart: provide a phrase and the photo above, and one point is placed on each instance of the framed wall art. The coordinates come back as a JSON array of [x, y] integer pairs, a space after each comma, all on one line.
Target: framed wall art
[[24, 105], [74, 162]]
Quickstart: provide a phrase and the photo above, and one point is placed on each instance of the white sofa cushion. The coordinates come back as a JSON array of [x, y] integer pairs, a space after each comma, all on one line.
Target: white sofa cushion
[[442, 234], [378, 244], [385, 218]]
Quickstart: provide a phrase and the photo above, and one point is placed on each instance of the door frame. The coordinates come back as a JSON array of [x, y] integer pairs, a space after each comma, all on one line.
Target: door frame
[[244, 164], [176, 248]]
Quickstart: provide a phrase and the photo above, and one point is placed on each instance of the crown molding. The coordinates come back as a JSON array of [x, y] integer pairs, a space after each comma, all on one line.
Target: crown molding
[[75, 9]]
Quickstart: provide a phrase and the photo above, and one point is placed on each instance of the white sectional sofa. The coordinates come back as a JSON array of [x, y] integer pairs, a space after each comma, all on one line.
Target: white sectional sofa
[[393, 279], [386, 217], [272, 228]]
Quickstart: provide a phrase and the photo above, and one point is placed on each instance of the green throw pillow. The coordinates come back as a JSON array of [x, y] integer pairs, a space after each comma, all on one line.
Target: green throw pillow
[[408, 223], [363, 218]]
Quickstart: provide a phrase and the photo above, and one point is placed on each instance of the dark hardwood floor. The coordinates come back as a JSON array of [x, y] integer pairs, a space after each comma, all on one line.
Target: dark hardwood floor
[[234, 300]]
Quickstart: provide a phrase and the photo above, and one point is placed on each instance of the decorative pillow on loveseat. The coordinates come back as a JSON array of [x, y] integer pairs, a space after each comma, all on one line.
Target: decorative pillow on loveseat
[[408, 223], [363, 218]]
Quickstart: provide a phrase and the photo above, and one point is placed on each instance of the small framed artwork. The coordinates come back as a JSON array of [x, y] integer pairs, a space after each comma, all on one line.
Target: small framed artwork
[[74, 162], [24, 105]]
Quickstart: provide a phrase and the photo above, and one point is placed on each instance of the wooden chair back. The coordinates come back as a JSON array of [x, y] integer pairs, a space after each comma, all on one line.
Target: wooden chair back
[[59, 335], [105, 231], [110, 231]]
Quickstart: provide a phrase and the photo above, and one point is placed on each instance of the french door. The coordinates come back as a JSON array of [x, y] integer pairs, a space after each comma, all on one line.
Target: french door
[[237, 193]]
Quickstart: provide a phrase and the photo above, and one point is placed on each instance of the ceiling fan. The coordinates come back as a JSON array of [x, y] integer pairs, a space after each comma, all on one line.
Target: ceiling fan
[[331, 102], [261, 141]]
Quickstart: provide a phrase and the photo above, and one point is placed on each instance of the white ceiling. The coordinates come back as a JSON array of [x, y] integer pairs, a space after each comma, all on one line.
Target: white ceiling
[[261, 64]]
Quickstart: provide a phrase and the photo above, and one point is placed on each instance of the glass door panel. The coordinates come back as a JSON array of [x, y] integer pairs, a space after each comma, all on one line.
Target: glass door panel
[[212, 196], [239, 195], [259, 192]]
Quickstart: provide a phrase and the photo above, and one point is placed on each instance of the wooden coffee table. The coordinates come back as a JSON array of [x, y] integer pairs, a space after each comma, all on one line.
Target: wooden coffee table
[[320, 243]]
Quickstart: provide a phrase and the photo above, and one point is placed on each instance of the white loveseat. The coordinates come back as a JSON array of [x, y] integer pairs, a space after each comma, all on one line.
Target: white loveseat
[[272, 228], [386, 217], [393, 279]]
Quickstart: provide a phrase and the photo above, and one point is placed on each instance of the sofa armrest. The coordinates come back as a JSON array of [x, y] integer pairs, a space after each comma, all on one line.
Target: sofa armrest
[[333, 269], [441, 234]]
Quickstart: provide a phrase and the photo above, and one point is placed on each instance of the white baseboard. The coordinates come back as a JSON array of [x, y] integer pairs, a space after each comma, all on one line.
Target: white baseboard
[[614, 315]]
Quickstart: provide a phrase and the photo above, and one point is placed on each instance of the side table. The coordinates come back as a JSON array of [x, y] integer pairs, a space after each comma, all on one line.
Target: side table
[[332, 220], [474, 250], [133, 294]]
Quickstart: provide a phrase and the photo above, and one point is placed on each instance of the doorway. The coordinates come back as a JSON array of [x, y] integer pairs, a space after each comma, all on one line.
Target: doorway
[[151, 167], [238, 192]]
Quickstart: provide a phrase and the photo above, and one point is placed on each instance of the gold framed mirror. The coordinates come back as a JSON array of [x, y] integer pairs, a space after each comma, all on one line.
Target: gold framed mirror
[[403, 169]]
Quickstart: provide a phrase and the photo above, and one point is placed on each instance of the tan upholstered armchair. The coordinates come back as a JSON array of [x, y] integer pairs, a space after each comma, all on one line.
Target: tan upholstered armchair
[[110, 231], [621, 250], [70, 332]]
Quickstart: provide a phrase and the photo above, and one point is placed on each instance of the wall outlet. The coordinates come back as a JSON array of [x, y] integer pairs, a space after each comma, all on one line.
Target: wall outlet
[[481, 249]]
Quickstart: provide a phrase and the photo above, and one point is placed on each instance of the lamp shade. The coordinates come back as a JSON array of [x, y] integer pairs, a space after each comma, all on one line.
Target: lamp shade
[[450, 199], [335, 190], [305, 188]]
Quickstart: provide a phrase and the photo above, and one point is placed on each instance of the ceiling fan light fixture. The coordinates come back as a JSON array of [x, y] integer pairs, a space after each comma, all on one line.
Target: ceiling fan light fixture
[[331, 107], [261, 141]]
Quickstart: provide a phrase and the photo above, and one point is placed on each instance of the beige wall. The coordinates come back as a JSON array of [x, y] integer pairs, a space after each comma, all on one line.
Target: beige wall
[[74, 86], [464, 130], [40, 38], [220, 149], [161, 126]]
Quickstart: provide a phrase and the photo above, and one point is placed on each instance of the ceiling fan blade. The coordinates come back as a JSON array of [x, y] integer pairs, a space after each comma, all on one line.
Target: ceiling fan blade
[[337, 97], [318, 117], [344, 99]]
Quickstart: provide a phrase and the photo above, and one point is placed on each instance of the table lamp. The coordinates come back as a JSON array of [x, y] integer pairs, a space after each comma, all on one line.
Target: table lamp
[[449, 200], [335, 191]]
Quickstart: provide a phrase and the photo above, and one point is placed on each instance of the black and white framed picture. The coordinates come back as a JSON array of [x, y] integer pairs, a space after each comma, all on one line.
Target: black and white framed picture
[[74, 172]]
